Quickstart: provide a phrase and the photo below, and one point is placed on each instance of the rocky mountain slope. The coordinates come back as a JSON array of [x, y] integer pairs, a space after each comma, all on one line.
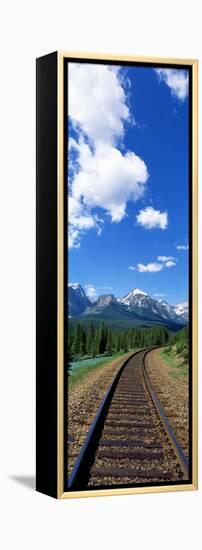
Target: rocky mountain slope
[[136, 308]]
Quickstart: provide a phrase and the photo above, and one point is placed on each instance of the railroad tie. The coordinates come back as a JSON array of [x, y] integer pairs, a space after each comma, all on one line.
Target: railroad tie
[[131, 473], [129, 443], [129, 455]]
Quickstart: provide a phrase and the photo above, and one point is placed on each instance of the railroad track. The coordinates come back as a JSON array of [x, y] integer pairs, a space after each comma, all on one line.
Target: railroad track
[[130, 441]]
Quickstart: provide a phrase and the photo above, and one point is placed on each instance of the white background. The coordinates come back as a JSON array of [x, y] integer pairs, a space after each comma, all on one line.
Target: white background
[[28, 30]]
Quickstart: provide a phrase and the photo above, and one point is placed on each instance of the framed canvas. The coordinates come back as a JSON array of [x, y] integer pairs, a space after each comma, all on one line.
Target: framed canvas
[[116, 383]]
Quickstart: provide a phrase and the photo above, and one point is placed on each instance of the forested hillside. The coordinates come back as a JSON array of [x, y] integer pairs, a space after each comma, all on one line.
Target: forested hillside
[[91, 341]]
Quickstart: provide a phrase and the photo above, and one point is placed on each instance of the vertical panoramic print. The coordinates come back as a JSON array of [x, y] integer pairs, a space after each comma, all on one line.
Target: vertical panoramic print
[[127, 390]]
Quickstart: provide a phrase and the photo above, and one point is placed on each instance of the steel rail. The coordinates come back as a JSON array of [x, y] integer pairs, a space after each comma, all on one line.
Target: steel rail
[[79, 476], [184, 462]]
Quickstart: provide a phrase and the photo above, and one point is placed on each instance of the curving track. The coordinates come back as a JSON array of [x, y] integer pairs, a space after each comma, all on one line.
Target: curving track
[[130, 441]]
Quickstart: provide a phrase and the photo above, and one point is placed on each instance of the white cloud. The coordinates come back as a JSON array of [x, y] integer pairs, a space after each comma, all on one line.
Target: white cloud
[[108, 179], [80, 219], [170, 263], [97, 101], [73, 238], [176, 79], [152, 267], [165, 258], [151, 218], [182, 246], [91, 291], [102, 175]]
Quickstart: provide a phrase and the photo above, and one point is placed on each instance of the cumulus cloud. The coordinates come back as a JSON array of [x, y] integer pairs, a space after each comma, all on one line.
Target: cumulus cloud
[[182, 246], [102, 175], [170, 263], [177, 80], [108, 179], [149, 218], [153, 267], [73, 238], [165, 258], [80, 216], [91, 291], [97, 101]]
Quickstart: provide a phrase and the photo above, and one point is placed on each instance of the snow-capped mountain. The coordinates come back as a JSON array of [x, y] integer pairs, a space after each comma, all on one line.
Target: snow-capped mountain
[[182, 310], [135, 296], [167, 311], [136, 305], [142, 303], [77, 299]]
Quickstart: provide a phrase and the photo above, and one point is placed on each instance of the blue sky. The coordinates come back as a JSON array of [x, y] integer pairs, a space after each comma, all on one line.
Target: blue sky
[[128, 180]]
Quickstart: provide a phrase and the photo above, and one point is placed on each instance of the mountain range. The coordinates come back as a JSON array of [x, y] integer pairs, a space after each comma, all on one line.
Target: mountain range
[[137, 308]]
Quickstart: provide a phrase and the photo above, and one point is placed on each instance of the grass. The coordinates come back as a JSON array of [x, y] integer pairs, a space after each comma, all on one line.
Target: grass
[[77, 375], [172, 359]]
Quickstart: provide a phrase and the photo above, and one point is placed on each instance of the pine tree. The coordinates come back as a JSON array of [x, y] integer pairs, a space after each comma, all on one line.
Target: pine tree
[[108, 348], [97, 338], [82, 348], [124, 342], [76, 341], [102, 338], [118, 342], [90, 339]]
